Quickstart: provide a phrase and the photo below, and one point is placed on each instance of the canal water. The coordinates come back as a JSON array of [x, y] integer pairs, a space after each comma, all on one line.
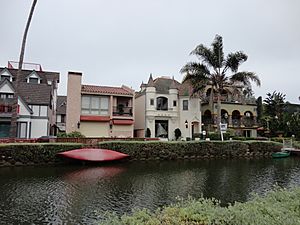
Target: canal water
[[76, 194]]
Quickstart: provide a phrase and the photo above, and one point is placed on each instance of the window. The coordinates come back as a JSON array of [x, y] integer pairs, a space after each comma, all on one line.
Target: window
[[151, 101], [162, 103], [185, 105], [6, 95], [174, 103], [94, 105], [33, 80], [63, 118], [5, 77]]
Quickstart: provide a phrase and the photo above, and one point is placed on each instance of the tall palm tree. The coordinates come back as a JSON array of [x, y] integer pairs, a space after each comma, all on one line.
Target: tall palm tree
[[217, 71], [13, 127]]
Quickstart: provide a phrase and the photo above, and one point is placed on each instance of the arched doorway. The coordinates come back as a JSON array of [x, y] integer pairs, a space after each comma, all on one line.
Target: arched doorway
[[236, 118], [224, 116]]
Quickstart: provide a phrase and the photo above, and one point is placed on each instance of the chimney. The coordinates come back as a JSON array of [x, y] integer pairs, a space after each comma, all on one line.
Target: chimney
[[73, 101]]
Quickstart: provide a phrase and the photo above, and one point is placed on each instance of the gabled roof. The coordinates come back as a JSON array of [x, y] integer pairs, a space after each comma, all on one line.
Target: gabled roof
[[163, 84], [3, 82], [44, 75], [35, 94], [61, 105], [106, 90]]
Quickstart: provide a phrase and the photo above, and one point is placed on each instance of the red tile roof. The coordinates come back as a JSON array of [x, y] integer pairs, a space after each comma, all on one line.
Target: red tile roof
[[106, 90]]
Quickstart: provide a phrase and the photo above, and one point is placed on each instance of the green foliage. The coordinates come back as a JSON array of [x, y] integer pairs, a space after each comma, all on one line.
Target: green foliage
[[157, 150], [148, 133], [279, 207], [177, 133], [74, 134], [38, 153], [217, 136]]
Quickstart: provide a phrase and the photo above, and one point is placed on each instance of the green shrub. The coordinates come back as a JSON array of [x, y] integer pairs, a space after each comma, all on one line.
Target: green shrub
[[34, 152], [201, 149], [280, 207], [74, 134]]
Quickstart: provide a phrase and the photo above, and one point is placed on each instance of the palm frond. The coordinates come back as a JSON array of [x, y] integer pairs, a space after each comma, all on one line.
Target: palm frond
[[245, 78], [217, 49], [204, 54], [234, 60]]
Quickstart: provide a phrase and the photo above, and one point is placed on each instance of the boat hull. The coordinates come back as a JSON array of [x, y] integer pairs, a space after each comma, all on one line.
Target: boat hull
[[93, 155], [281, 154]]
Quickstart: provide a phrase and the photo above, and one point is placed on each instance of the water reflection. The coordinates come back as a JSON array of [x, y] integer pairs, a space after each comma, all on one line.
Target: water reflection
[[80, 195]]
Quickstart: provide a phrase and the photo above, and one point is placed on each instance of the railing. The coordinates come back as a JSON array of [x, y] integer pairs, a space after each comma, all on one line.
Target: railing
[[236, 122], [207, 121], [122, 111], [5, 109], [230, 99], [248, 122]]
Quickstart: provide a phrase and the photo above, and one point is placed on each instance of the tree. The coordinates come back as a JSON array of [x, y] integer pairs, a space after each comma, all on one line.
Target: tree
[[177, 133], [274, 106], [148, 133], [213, 70], [13, 127]]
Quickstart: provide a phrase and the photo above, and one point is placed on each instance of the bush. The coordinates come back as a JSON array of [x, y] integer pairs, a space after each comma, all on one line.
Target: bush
[[74, 134], [279, 207], [177, 133], [34, 152], [148, 133], [201, 149]]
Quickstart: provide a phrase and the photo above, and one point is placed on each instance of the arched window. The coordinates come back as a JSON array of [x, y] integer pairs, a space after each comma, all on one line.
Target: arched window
[[162, 103]]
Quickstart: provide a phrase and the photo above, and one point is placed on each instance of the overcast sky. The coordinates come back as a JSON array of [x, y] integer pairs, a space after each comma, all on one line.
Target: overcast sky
[[119, 42]]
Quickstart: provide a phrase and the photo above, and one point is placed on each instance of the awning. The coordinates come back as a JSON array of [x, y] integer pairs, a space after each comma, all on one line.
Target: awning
[[123, 122], [95, 118]]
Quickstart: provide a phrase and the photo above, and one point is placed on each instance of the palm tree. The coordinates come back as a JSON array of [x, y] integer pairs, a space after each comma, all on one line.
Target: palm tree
[[217, 71], [13, 127]]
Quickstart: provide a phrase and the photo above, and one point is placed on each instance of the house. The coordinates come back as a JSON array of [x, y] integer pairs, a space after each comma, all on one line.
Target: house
[[163, 105], [36, 103], [61, 108], [99, 111], [238, 111]]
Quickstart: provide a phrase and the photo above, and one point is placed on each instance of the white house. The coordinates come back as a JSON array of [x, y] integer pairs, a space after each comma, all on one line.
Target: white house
[[37, 102], [163, 105]]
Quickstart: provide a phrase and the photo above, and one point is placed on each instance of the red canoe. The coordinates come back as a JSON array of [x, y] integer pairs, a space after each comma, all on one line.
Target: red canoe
[[93, 154]]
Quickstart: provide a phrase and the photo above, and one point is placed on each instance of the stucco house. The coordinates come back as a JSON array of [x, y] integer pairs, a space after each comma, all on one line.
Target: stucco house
[[163, 105], [238, 111], [99, 111], [37, 98]]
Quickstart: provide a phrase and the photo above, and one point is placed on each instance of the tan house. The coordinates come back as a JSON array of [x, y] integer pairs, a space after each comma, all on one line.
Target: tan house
[[99, 111], [238, 111]]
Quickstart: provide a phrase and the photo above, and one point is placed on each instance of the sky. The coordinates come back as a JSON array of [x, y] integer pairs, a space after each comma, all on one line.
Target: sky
[[119, 42]]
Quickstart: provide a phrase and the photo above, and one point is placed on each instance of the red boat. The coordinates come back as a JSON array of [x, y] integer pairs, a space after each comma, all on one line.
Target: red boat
[[93, 154]]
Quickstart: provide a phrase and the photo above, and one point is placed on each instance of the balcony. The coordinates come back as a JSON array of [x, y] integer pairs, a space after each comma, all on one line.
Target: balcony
[[122, 111], [231, 99], [5, 109]]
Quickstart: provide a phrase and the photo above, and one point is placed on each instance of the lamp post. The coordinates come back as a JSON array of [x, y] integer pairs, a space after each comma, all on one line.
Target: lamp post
[[186, 126]]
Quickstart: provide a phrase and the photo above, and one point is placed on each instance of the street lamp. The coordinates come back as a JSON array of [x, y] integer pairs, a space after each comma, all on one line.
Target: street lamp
[[186, 124]]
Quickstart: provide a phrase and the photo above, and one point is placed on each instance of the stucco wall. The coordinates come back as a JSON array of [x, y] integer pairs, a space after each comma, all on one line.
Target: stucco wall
[[122, 131], [95, 129]]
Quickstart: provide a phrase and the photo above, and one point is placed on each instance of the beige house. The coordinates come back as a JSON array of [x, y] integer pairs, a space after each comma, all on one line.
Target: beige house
[[238, 111], [99, 111], [163, 105]]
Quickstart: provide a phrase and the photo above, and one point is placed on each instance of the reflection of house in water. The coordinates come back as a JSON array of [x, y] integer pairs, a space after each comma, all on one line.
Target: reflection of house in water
[[162, 105]]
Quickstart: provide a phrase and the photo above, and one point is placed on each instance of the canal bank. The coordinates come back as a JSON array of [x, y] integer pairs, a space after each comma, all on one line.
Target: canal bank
[[45, 153]]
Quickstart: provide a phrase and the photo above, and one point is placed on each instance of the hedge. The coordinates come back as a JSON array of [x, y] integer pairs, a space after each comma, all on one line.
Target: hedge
[[33, 153], [192, 149], [279, 207]]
